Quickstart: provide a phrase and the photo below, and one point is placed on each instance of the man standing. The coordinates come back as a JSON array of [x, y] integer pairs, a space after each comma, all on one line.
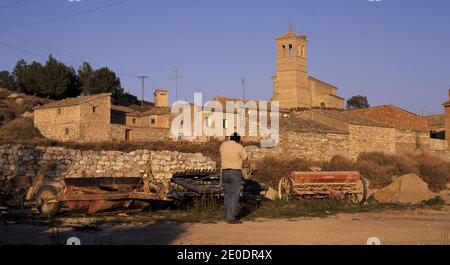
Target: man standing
[[232, 154]]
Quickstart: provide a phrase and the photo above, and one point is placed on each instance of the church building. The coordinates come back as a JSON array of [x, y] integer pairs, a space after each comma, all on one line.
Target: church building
[[293, 87]]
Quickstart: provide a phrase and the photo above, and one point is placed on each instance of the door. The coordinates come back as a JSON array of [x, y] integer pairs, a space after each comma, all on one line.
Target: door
[[127, 135]]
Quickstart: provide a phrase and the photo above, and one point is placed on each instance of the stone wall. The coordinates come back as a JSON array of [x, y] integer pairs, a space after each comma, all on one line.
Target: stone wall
[[438, 144], [59, 123], [23, 162], [369, 139], [138, 133], [409, 141], [313, 146], [95, 120], [447, 122]]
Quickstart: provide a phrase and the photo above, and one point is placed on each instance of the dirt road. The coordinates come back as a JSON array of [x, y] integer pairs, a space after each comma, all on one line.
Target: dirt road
[[412, 227]]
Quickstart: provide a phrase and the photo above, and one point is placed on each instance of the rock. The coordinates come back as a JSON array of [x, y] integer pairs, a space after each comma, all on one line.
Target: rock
[[15, 95], [271, 194], [408, 188]]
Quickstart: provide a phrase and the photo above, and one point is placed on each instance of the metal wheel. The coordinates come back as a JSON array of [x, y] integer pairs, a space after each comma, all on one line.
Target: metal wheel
[[45, 201], [361, 196], [285, 188]]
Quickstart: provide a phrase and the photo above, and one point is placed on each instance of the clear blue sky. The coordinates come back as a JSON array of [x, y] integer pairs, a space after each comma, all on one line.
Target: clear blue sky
[[392, 51]]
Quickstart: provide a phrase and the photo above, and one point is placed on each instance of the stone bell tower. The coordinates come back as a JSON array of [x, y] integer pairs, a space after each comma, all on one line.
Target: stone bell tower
[[290, 83]]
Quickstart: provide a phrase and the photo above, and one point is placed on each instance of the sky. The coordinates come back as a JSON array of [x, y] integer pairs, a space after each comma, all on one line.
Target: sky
[[392, 51]]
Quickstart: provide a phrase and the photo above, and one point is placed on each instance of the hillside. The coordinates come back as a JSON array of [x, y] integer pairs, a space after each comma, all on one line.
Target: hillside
[[16, 115]]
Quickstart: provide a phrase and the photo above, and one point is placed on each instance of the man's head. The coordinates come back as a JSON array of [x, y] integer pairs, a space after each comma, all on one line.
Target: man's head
[[235, 137]]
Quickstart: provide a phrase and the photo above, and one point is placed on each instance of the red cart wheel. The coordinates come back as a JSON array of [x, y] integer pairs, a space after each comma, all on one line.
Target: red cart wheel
[[361, 196]]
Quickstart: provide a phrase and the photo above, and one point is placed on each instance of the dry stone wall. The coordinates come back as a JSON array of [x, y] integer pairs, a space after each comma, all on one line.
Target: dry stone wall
[[20, 163], [312, 146]]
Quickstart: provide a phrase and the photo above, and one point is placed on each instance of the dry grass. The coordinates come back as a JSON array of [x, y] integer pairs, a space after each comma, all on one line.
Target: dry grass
[[379, 168], [270, 170], [19, 129]]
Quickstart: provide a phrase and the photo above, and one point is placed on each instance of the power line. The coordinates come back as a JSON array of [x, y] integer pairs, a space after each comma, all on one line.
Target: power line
[[243, 87], [78, 60], [19, 3], [142, 77], [176, 84], [64, 17], [52, 51], [20, 49]]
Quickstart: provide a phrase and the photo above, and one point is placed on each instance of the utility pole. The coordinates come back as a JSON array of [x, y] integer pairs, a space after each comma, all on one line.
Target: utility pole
[[142, 77], [176, 84], [243, 87]]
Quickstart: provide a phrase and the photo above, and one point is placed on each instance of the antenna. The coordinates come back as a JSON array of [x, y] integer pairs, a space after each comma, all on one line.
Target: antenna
[[243, 87], [176, 84], [290, 27], [142, 77]]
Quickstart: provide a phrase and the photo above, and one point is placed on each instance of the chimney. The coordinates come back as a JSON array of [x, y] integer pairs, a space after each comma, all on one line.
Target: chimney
[[161, 98]]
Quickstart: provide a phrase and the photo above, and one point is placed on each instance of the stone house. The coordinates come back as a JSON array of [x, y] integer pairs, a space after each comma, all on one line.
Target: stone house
[[85, 118], [436, 126], [447, 119], [364, 134], [95, 119], [412, 131], [228, 124]]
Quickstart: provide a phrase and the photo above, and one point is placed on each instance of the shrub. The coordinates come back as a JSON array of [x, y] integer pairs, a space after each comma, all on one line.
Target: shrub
[[433, 171], [378, 167], [338, 163], [270, 170], [434, 201]]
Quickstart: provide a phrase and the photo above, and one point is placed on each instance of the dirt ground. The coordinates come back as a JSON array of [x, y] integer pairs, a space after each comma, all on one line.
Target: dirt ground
[[396, 227]]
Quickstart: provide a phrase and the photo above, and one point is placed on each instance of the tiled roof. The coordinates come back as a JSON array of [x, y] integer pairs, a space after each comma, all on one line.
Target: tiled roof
[[73, 101], [436, 121], [320, 81], [298, 124], [351, 117], [156, 111], [124, 109], [222, 100], [394, 116]]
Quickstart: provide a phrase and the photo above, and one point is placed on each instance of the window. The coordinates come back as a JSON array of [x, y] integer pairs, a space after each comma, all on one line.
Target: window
[[182, 122], [134, 120], [94, 109], [208, 122], [322, 105], [290, 49], [59, 111], [66, 131], [225, 123], [152, 121], [303, 51], [283, 49]]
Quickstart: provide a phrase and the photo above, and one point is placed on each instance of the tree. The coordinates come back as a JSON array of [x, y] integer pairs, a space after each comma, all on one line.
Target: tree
[[7, 80], [59, 81], [102, 80], [86, 77], [28, 77], [357, 102], [53, 80]]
